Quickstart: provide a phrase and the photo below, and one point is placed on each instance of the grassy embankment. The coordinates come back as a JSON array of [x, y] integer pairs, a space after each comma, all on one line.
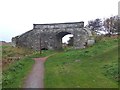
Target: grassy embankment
[[93, 67], [17, 63]]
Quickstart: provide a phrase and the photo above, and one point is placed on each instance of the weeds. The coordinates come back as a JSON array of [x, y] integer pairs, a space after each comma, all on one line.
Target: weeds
[[17, 62], [111, 70]]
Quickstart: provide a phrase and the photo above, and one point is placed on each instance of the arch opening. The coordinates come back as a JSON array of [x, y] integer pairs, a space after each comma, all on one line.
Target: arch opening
[[44, 49], [63, 39]]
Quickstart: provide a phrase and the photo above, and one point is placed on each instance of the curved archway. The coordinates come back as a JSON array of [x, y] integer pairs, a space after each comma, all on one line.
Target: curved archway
[[59, 37]]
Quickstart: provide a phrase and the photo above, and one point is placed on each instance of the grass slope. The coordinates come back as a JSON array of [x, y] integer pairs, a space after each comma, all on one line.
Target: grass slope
[[14, 76], [93, 67], [16, 70]]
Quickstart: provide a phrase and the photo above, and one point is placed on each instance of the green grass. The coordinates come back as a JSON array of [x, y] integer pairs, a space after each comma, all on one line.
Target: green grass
[[93, 67], [12, 54], [16, 72], [14, 76], [9, 51], [43, 53]]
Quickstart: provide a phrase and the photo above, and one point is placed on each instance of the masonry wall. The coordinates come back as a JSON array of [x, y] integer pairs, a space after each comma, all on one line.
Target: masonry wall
[[47, 36]]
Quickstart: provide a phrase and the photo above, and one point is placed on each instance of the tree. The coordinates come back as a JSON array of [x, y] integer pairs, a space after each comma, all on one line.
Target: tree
[[118, 29], [112, 24], [117, 25], [95, 25]]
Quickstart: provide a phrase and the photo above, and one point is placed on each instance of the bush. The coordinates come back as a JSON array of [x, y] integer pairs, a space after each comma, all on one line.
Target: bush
[[98, 38], [111, 71]]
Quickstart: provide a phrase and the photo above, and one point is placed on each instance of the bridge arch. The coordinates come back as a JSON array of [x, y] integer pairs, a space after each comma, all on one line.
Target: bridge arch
[[49, 36], [59, 37]]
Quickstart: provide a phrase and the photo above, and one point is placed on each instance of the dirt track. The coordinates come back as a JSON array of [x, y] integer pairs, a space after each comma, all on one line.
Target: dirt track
[[36, 76]]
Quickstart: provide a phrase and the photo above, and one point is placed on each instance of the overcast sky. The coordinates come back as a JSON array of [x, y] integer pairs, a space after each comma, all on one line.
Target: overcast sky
[[18, 16]]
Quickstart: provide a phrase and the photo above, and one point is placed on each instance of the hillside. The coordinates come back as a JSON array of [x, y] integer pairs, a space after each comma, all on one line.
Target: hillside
[[17, 62], [93, 67], [4, 43]]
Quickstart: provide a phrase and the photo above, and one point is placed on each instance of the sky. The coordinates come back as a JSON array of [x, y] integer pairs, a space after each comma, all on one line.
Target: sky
[[18, 16]]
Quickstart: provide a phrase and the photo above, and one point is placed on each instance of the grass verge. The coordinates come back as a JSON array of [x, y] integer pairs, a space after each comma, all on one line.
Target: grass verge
[[84, 68], [14, 75]]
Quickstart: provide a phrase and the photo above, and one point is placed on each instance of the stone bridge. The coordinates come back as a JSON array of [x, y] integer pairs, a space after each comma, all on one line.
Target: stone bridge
[[49, 36]]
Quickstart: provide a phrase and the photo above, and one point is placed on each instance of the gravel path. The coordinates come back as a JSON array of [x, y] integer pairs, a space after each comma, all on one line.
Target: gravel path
[[36, 76]]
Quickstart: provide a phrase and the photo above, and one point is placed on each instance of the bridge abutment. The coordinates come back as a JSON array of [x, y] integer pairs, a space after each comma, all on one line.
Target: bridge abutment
[[49, 36]]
